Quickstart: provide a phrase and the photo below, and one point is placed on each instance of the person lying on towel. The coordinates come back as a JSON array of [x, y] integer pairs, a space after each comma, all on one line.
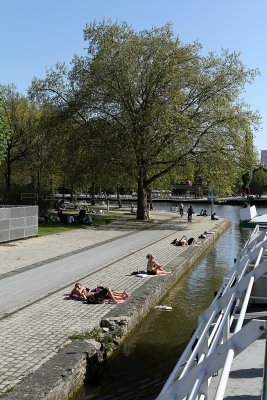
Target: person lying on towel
[[97, 295]]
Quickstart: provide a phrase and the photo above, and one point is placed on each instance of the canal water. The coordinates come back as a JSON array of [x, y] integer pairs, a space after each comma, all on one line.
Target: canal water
[[140, 367]]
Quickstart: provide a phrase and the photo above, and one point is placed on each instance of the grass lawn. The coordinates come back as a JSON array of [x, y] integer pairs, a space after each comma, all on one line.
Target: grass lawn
[[49, 228]]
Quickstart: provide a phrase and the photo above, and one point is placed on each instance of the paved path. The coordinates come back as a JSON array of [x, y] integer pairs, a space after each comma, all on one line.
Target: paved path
[[63, 270], [245, 379], [40, 324]]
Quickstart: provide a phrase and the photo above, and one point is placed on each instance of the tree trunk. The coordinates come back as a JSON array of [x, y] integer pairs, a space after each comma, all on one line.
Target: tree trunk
[[8, 171], [38, 185], [71, 193], [51, 190], [142, 211], [64, 181], [119, 198], [93, 195], [149, 200], [8, 178]]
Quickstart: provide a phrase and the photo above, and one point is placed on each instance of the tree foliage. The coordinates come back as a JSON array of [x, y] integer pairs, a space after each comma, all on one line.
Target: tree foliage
[[21, 118], [260, 180], [161, 105], [4, 131]]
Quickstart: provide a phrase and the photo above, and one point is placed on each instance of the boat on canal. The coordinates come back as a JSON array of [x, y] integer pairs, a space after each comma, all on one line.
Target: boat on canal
[[250, 219], [225, 357]]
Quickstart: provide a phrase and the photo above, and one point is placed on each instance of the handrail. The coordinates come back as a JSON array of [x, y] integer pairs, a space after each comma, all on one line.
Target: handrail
[[240, 341], [231, 351], [214, 325]]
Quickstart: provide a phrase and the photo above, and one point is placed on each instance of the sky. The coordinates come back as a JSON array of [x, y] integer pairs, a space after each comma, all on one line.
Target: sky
[[36, 34]]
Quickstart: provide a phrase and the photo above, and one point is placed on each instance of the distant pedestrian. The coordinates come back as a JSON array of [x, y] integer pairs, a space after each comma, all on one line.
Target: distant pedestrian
[[181, 209], [190, 212], [61, 205]]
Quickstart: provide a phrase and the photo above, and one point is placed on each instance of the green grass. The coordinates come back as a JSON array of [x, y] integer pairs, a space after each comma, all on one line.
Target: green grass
[[105, 338], [117, 213], [77, 336], [49, 228]]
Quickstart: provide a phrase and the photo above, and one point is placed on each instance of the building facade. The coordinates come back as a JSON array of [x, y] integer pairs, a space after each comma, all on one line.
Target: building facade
[[264, 157]]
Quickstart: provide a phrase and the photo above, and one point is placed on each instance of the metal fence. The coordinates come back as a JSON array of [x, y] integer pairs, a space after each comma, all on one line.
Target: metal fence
[[221, 333], [18, 222]]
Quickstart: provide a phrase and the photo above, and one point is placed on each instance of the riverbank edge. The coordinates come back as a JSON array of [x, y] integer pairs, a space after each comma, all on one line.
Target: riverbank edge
[[65, 373]]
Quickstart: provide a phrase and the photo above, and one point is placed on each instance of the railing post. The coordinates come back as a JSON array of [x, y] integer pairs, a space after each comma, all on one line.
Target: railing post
[[226, 330], [203, 389]]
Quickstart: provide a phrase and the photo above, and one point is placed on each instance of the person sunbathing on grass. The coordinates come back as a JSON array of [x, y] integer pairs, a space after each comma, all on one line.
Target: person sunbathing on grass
[[154, 268]]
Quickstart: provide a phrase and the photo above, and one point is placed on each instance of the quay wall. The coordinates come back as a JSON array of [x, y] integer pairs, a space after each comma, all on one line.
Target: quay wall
[[18, 222], [151, 292], [64, 374]]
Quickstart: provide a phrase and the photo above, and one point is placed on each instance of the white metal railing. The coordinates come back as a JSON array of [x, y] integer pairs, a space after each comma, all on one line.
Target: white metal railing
[[212, 344]]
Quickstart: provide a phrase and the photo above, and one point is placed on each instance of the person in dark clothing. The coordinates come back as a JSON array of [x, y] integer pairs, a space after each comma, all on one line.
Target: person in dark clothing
[[180, 242], [98, 294], [214, 217], [192, 241], [190, 212], [81, 216]]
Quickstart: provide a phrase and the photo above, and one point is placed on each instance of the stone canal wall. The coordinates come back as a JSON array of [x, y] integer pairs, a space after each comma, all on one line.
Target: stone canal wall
[[61, 376], [151, 292], [18, 222]]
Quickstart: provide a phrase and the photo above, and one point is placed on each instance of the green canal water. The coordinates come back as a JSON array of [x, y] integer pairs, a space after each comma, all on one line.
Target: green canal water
[[140, 367]]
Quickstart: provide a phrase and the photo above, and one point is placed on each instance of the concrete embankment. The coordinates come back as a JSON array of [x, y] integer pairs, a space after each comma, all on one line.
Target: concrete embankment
[[152, 290], [42, 362]]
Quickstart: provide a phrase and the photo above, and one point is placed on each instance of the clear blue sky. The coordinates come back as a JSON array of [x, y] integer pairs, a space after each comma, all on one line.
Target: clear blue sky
[[35, 34]]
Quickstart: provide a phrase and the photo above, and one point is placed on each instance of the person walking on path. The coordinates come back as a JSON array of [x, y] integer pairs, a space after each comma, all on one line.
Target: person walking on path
[[181, 209], [190, 214]]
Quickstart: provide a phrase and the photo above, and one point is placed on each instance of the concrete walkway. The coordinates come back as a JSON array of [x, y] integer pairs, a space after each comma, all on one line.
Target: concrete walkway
[[36, 321]]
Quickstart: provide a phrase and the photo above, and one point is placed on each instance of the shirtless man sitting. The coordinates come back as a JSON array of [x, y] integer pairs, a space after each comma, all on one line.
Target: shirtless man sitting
[[154, 268]]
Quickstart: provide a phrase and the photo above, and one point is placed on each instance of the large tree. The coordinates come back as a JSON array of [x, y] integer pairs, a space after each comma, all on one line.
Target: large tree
[[163, 102]]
